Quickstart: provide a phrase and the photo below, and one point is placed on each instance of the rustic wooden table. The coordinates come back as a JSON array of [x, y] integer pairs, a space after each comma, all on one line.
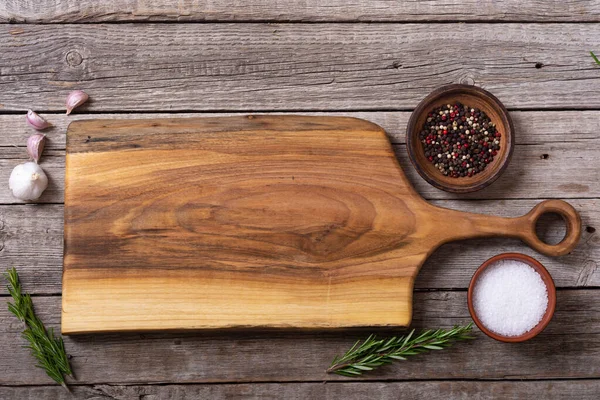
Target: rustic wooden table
[[373, 59]]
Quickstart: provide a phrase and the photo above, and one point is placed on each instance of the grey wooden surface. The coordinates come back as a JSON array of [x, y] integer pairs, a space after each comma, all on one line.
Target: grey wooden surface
[[63, 11], [180, 58]]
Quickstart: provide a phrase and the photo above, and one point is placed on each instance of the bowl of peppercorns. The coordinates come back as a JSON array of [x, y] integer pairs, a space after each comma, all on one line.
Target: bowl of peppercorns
[[460, 138]]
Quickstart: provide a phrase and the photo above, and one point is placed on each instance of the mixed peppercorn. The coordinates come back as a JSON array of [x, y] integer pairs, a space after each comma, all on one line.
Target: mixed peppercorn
[[460, 141]]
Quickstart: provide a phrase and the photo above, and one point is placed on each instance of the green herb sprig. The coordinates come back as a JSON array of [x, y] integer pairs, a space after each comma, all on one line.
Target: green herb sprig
[[594, 57], [374, 352], [48, 350]]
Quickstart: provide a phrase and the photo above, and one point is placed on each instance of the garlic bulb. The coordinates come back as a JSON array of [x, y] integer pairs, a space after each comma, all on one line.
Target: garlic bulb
[[27, 181], [75, 99]]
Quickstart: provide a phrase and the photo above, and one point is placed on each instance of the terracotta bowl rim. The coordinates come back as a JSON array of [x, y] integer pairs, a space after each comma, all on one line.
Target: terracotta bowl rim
[[550, 287], [424, 107]]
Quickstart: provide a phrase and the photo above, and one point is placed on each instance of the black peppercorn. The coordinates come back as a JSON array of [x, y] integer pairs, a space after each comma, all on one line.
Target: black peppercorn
[[459, 140]]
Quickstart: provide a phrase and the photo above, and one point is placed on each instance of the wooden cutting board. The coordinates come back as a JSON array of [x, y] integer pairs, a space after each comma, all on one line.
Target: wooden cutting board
[[257, 221]]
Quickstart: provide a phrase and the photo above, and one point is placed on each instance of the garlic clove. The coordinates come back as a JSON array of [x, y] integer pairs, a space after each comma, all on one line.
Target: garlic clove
[[75, 99], [36, 121], [27, 181], [35, 146]]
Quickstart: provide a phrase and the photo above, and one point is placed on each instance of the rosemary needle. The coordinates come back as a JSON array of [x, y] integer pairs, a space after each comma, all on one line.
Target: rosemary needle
[[48, 350], [375, 352], [594, 57]]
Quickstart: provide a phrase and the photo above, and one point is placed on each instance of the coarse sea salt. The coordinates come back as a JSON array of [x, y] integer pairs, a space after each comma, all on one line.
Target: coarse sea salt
[[510, 298]]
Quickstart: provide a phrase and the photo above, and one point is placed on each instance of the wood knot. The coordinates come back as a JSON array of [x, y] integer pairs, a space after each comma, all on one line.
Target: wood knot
[[74, 58], [539, 65]]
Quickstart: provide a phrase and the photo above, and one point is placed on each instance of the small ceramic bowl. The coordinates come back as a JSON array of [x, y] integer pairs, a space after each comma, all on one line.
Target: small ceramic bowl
[[549, 287], [471, 96]]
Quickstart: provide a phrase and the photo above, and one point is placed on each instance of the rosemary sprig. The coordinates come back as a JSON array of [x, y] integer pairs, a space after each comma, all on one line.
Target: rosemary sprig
[[374, 352], [594, 57], [48, 350]]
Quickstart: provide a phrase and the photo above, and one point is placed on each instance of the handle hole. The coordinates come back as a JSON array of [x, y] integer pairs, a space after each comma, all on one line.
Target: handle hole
[[551, 228]]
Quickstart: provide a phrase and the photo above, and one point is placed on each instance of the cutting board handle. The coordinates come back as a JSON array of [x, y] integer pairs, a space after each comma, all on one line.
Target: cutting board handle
[[463, 225], [526, 227]]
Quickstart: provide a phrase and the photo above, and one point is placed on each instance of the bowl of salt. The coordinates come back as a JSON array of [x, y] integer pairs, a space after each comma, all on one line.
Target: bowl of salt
[[511, 297]]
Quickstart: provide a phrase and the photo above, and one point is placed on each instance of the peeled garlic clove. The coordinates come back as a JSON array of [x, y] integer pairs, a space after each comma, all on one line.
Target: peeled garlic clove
[[35, 146], [36, 121], [27, 181], [75, 99]]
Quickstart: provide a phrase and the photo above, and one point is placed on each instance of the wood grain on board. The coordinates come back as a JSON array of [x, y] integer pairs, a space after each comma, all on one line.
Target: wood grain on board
[[69, 11], [253, 67], [169, 226], [235, 222], [569, 348]]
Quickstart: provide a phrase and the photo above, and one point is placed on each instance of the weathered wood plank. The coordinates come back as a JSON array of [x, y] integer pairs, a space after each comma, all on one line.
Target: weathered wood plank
[[234, 252], [569, 348], [31, 239], [551, 170], [294, 66], [448, 390], [532, 127], [61, 11]]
